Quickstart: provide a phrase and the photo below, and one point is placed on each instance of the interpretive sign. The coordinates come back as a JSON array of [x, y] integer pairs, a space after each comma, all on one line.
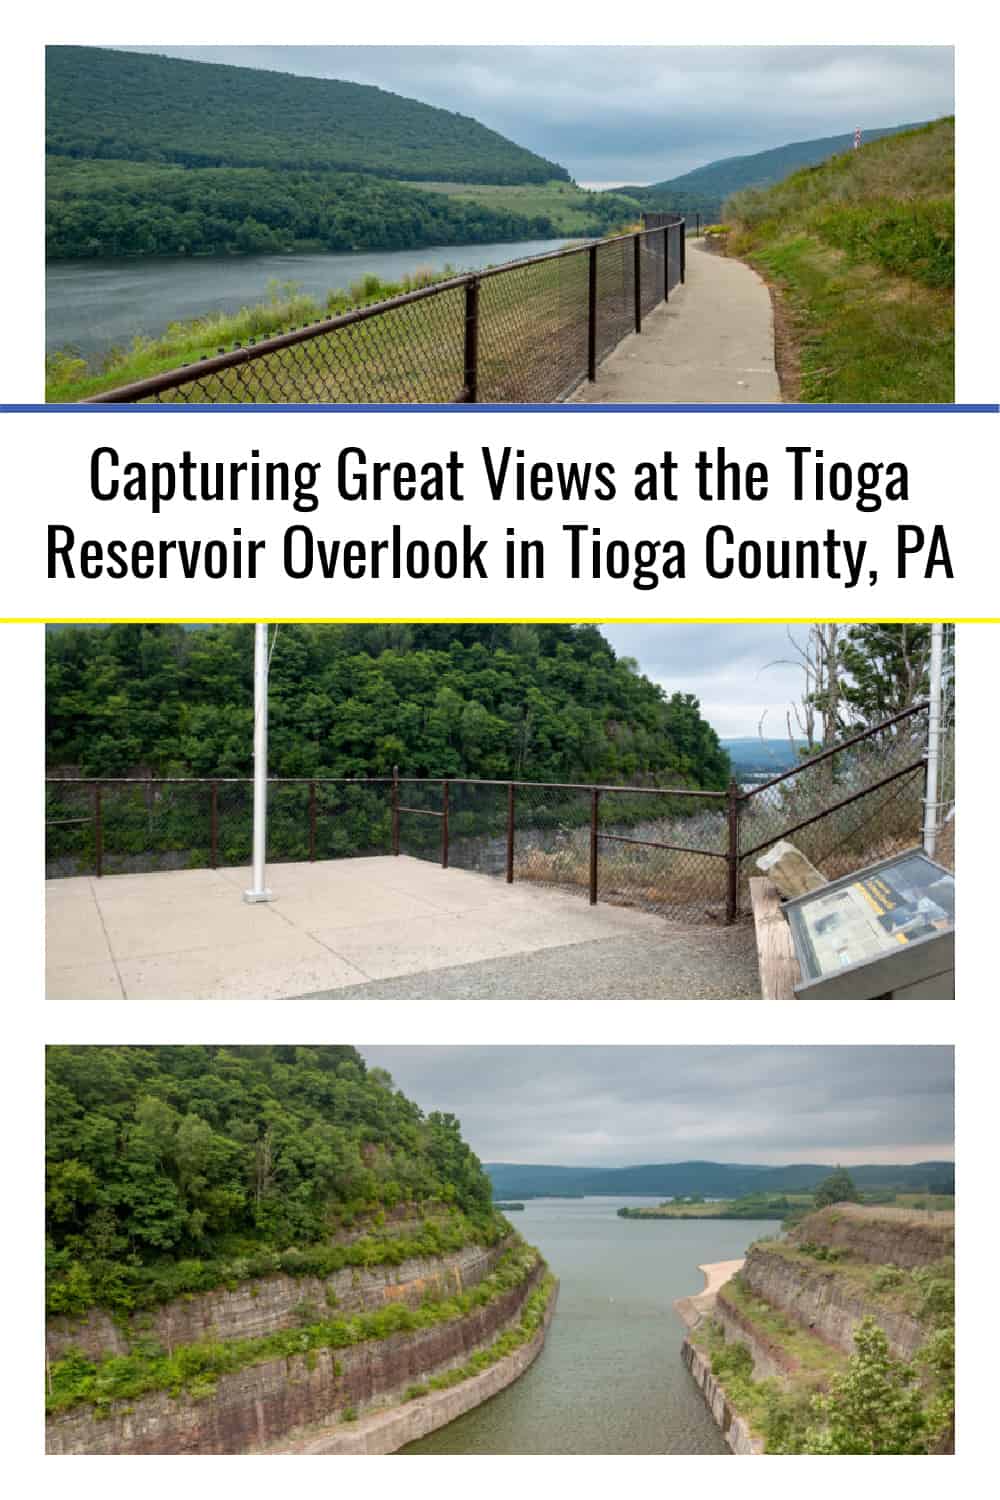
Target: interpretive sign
[[882, 931]]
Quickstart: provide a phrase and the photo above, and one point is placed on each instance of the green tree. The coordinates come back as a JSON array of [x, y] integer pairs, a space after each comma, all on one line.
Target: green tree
[[837, 1188], [876, 1406]]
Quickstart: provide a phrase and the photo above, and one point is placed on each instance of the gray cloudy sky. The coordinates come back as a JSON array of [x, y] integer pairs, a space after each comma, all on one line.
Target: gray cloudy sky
[[728, 667], [639, 114], [620, 1106]]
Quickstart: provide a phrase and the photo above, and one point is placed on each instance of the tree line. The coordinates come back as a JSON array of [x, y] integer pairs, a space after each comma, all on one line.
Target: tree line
[[525, 702]]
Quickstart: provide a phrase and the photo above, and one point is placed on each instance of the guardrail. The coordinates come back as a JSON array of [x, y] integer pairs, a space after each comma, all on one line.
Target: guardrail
[[527, 331], [681, 851]]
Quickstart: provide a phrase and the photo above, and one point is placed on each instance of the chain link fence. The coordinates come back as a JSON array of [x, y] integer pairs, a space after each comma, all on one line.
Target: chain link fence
[[529, 331], [684, 853]]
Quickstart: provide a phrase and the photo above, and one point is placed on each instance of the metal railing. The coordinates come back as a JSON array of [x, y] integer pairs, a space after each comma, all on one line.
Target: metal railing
[[527, 331], [683, 852]]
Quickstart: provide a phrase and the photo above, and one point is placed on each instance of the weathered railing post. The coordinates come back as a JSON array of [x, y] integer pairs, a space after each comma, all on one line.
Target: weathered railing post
[[98, 831], [395, 809], [444, 825], [637, 263], [666, 263], [683, 249], [592, 314], [213, 805], [472, 339], [510, 833], [595, 800], [733, 853], [312, 820]]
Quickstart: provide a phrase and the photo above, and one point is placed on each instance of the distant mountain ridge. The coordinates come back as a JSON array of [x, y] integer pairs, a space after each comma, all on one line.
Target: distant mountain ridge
[[711, 1179], [705, 189]]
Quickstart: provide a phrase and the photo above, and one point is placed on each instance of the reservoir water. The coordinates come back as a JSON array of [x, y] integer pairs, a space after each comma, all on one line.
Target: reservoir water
[[610, 1377], [96, 305]]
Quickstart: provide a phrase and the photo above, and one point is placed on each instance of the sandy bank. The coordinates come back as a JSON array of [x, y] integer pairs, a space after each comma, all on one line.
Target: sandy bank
[[716, 1274]]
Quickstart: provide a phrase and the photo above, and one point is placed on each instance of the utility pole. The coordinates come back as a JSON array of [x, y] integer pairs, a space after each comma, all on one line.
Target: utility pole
[[933, 741], [258, 890]]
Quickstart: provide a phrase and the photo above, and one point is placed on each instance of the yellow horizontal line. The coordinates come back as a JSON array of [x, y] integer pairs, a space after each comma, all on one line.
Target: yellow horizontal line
[[497, 620]]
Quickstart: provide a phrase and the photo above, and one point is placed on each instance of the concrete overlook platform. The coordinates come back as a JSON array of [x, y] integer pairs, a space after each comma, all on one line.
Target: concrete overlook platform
[[364, 928], [713, 342]]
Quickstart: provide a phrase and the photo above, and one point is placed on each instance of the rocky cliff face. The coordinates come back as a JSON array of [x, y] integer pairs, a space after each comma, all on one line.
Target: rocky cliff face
[[259, 1307], [733, 1427], [825, 1302], [882, 1236], [262, 1404]]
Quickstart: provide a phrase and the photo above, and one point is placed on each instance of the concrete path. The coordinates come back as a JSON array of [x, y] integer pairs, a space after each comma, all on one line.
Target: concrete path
[[713, 341], [354, 926]]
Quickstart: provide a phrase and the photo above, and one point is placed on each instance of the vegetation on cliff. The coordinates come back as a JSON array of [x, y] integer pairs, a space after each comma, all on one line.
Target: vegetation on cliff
[[829, 1399], [171, 1170], [193, 1369], [861, 251]]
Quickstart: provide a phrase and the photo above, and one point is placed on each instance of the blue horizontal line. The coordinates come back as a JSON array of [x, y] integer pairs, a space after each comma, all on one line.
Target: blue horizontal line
[[991, 407]]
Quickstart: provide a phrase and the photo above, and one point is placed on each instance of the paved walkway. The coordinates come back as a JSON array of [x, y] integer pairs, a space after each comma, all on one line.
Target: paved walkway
[[351, 927], [713, 341]]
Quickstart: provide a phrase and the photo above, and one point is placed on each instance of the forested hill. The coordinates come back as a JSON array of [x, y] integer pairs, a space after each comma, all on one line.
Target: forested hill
[[131, 106], [714, 1179], [529, 702], [174, 1169], [152, 155], [706, 188]]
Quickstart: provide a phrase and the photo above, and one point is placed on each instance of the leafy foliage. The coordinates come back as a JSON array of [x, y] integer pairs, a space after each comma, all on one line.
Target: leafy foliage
[[839, 1187], [533, 702], [172, 1169], [875, 1406]]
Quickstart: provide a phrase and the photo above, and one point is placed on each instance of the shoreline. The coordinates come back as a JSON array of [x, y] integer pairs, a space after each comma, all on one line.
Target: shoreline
[[693, 1308]]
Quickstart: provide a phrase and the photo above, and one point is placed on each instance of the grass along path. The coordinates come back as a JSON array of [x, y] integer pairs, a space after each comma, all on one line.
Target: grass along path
[[859, 253]]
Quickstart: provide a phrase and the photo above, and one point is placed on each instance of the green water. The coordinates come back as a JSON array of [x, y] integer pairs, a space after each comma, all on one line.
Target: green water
[[610, 1378]]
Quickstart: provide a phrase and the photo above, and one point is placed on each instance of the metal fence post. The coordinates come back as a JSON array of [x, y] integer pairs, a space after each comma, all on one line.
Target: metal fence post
[[472, 339], [312, 820], [592, 315], [595, 799], [444, 825], [98, 831], [697, 223], [214, 819], [666, 264], [395, 809], [637, 263], [683, 227], [510, 833], [733, 853]]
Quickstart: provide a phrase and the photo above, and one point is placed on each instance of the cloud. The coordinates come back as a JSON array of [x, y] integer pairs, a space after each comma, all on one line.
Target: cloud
[[639, 114], [739, 673], [615, 1106]]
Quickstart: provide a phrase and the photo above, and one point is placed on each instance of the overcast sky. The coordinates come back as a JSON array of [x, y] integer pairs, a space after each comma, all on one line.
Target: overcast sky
[[624, 1106], [728, 667], [638, 114]]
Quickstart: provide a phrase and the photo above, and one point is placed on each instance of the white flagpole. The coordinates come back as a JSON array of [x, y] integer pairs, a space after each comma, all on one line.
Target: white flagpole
[[259, 891]]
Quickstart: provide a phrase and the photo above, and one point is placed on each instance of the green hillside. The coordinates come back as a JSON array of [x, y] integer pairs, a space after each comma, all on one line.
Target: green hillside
[[130, 106], [705, 189], [153, 155], [176, 1169], [861, 253]]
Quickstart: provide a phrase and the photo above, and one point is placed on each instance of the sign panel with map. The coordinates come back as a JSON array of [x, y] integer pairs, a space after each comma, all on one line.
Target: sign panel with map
[[876, 915]]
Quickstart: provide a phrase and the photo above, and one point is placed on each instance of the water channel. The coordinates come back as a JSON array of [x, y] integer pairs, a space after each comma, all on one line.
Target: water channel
[[610, 1378]]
